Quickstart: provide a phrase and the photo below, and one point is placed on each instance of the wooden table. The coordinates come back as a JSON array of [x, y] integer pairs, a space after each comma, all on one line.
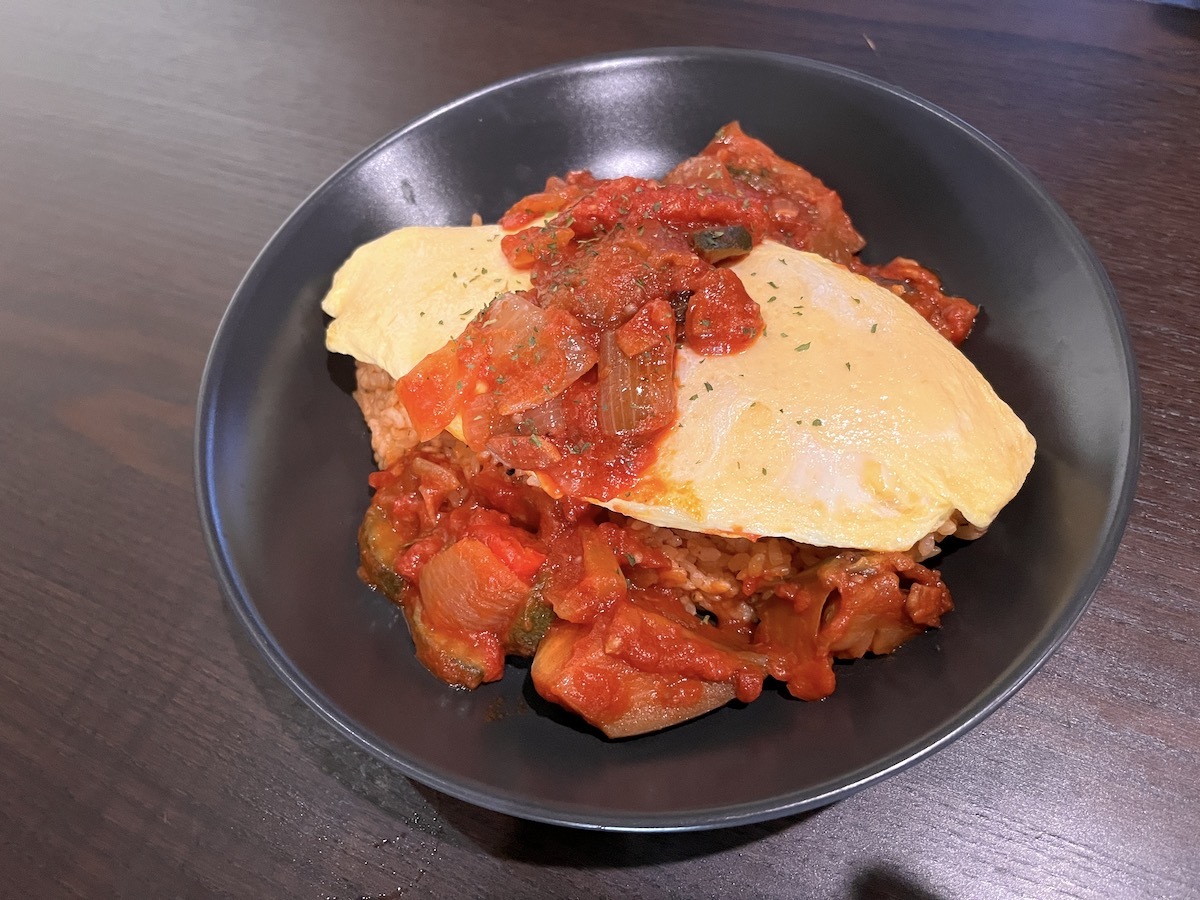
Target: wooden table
[[148, 149]]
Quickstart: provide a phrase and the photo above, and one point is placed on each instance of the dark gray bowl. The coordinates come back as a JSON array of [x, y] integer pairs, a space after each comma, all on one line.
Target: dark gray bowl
[[282, 455]]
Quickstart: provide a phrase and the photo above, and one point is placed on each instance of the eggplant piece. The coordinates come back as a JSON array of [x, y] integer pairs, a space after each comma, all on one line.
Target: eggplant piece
[[634, 670], [571, 669], [378, 545]]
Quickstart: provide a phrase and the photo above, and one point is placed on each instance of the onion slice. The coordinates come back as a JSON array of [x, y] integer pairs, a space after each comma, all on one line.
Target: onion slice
[[536, 353], [637, 393]]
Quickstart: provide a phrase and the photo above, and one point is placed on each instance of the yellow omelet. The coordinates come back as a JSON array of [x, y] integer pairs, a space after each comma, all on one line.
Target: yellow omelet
[[850, 423]]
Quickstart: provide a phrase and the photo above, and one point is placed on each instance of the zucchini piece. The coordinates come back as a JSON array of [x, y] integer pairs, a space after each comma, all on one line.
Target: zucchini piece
[[716, 244]]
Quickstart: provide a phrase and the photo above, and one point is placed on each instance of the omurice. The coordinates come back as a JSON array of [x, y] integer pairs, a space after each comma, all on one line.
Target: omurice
[[668, 437]]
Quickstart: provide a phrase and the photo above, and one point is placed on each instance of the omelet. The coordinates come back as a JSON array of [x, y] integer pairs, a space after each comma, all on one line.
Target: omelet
[[849, 423], [402, 296]]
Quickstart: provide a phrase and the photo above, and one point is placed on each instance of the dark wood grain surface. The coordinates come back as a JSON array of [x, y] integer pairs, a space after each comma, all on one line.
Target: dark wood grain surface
[[149, 148]]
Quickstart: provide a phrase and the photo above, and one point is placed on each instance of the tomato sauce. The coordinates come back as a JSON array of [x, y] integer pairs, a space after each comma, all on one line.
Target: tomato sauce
[[486, 566]]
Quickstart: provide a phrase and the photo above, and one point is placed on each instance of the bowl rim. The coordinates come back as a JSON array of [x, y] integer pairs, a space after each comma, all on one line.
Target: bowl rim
[[1005, 686]]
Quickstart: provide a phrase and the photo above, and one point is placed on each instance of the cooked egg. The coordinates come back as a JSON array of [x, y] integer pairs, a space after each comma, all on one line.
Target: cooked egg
[[849, 423], [402, 296]]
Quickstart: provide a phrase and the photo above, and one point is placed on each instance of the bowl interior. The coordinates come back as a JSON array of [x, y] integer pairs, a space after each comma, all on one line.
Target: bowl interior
[[283, 454]]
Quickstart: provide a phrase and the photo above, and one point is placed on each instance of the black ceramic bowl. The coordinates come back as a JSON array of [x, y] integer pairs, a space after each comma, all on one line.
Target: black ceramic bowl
[[283, 456]]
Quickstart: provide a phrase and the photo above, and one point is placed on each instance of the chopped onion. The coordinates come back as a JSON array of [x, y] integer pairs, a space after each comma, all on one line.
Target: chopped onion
[[529, 452], [467, 586], [436, 482], [784, 209], [578, 355], [511, 320], [636, 393], [479, 420], [536, 353], [547, 418], [433, 476]]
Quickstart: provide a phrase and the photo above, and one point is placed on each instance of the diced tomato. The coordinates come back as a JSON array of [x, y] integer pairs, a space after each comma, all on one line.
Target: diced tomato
[[381, 479], [587, 578], [522, 503], [558, 194], [433, 392], [813, 218], [517, 549], [606, 281], [412, 560], [953, 317], [631, 551], [653, 642], [721, 317], [651, 326], [573, 668], [630, 201], [529, 245]]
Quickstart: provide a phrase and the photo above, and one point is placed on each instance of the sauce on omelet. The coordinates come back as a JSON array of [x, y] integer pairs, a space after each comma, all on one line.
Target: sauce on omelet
[[849, 422]]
